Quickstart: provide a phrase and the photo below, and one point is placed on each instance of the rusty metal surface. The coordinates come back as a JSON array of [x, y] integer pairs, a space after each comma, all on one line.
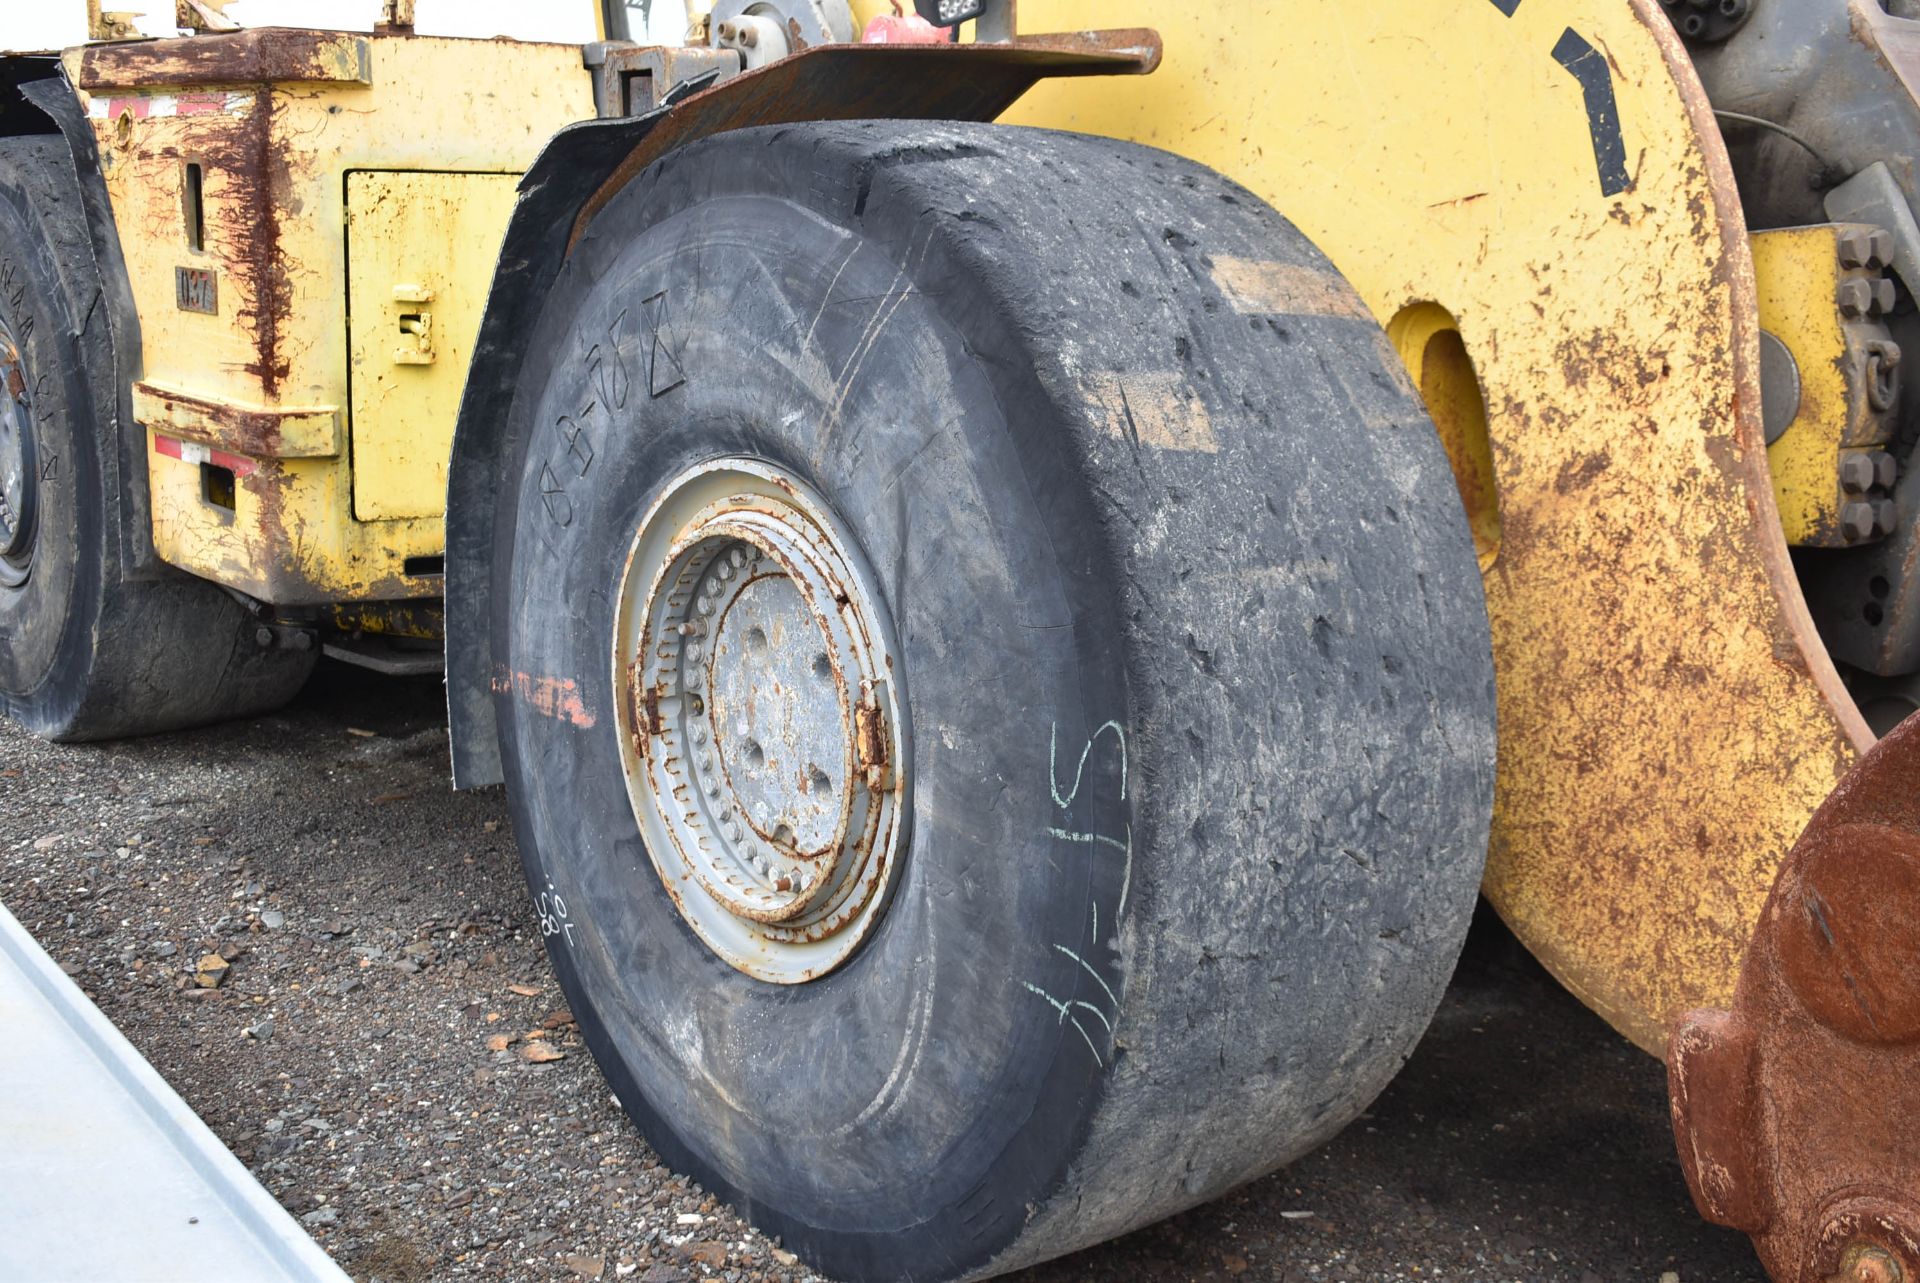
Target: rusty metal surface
[[262, 55], [261, 432], [888, 81], [1795, 1110], [632, 81], [759, 716]]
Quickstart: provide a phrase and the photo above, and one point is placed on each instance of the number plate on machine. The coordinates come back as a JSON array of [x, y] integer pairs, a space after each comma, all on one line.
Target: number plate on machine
[[193, 290]]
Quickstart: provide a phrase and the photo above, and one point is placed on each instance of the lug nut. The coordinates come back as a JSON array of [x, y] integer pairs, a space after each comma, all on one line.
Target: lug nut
[[1856, 474], [1856, 522]]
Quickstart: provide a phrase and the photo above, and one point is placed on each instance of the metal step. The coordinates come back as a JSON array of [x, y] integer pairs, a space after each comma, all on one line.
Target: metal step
[[104, 1171]]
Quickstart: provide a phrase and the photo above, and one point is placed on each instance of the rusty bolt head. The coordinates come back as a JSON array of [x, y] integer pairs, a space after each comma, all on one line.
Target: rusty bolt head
[[1885, 470], [1882, 296], [1856, 474], [263, 636], [1854, 296], [1854, 248], [1884, 516], [1856, 521]]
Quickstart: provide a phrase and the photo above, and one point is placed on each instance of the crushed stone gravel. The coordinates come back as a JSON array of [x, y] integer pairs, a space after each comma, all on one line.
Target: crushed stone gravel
[[331, 955]]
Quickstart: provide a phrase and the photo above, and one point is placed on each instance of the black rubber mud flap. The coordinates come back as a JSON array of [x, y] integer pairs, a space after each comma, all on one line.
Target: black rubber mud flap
[[1194, 651], [84, 652]]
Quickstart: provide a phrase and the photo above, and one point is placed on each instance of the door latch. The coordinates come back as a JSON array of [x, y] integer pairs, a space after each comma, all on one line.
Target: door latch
[[415, 325]]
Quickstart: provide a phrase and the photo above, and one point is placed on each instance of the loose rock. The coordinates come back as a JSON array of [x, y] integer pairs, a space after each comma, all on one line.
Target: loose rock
[[211, 971]]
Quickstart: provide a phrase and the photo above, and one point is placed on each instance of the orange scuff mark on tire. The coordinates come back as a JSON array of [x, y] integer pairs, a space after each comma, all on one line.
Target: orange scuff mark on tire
[[555, 697]]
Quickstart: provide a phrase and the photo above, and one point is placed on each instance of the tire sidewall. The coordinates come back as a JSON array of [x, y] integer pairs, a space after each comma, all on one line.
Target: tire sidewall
[[718, 319], [45, 622]]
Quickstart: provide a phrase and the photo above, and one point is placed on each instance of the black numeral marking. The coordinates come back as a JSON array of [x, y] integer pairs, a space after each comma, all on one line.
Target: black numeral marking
[[554, 495], [664, 371]]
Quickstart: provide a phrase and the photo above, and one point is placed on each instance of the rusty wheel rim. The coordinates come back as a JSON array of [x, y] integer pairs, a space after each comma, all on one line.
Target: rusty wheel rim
[[18, 476], [761, 729]]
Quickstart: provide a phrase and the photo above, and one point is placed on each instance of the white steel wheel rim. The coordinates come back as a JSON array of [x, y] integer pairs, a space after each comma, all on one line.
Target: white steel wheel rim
[[762, 733]]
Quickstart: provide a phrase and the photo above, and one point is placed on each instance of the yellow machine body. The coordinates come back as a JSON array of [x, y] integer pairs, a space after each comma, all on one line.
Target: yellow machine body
[[311, 222], [1546, 178]]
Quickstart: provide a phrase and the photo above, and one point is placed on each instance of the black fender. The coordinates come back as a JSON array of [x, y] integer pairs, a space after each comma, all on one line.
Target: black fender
[[580, 170], [36, 98], [575, 163]]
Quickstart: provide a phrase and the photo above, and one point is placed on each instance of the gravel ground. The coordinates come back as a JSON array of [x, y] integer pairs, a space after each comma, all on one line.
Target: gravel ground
[[386, 1047]]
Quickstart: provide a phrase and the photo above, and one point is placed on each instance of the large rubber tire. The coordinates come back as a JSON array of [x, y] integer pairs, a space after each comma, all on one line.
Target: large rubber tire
[[85, 654], [1194, 650]]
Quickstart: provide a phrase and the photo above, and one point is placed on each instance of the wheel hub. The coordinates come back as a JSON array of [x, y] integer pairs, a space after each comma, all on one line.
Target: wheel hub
[[19, 478], [761, 727]]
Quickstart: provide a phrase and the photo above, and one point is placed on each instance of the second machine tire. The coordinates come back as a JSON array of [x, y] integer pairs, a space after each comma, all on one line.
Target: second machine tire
[[85, 652]]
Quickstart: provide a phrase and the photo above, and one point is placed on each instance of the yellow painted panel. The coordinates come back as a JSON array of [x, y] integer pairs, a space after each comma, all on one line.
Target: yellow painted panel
[[273, 158], [420, 254], [1549, 173]]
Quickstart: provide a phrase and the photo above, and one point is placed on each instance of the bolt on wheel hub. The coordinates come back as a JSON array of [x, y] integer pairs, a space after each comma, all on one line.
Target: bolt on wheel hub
[[761, 728], [19, 479]]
